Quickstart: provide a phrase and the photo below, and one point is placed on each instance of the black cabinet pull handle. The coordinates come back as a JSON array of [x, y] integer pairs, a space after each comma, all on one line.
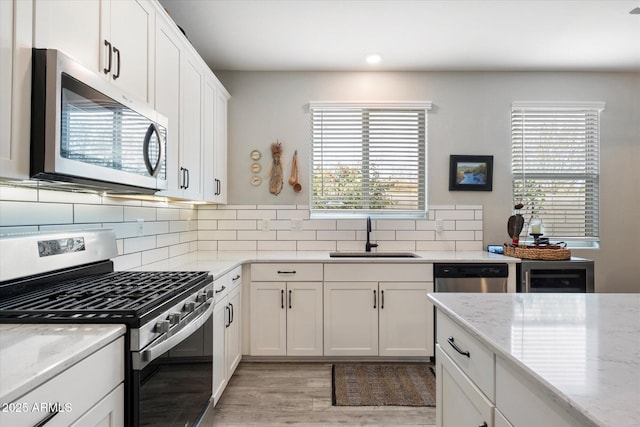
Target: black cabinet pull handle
[[231, 316], [484, 424], [117, 52], [381, 300], [46, 419], [282, 298], [228, 311], [181, 177], [221, 289], [374, 299], [236, 278], [188, 178], [108, 69], [286, 272], [456, 348], [218, 187], [289, 299]]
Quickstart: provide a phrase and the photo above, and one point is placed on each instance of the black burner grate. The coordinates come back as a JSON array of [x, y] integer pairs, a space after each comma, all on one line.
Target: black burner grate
[[116, 295]]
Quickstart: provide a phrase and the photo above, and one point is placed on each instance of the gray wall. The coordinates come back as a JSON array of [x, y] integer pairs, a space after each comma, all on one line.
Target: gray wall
[[471, 115]]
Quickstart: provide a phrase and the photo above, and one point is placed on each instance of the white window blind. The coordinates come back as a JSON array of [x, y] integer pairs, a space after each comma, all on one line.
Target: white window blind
[[368, 158], [555, 167]]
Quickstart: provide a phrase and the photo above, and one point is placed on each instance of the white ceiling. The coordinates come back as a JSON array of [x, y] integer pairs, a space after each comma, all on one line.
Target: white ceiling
[[412, 34]]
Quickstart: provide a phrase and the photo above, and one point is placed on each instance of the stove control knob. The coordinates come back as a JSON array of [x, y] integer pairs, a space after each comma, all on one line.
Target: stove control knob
[[174, 318], [210, 293], [189, 307], [162, 326], [201, 298]]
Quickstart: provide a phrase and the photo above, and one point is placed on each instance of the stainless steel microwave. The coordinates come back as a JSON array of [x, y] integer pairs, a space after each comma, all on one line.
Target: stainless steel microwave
[[85, 131]]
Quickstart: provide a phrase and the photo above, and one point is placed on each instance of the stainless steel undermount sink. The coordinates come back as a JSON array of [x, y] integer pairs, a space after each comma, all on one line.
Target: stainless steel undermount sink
[[373, 255]]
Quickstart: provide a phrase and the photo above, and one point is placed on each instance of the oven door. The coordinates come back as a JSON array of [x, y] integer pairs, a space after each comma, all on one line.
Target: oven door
[[173, 379]]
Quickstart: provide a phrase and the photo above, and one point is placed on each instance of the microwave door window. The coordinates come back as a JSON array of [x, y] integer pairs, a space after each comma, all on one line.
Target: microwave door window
[[98, 131]]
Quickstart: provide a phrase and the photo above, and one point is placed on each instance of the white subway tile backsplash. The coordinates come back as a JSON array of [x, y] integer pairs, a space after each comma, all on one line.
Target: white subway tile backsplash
[[33, 213], [123, 229], [415, 235], [178, 226], [292, 214], [67, 227], [396, 245], [276, 245], [376, 235], [177, 250], [217, 235], [189, 213], [468, 225], [20, 194], [132, 213], [97, 213], [155, 255], [207, 224], [168, 239], [438, 245], [9, 231], [455, 235], [68, 197], [256, 235], [245, 224], [394, 224], [257, 214], [188, 236], [316, 245], [138, 244], [462, 245], [455, 214], [335, 235], [319, 224], [167, 214], [217, 214], [351, 224], [207, 245], [127, 262], [225, 245], [296, 235]]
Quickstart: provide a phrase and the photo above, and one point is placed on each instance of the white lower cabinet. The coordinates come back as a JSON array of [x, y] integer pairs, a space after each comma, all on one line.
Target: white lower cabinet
[[89, 393], [286, 316], [351, 319], [500, 420], [477, 387], [227, 339], [459, 401], [378, 310]]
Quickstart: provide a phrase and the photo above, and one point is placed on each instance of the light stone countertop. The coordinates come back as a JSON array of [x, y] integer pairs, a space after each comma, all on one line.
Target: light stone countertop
[[219, 263], [34, 353], [582, 349]]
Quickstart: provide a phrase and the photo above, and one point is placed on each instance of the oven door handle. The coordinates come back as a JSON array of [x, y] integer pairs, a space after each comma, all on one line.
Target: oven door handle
[[148, 355]]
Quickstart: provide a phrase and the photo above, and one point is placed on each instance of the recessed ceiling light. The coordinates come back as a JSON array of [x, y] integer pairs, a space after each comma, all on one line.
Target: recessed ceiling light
[[374, 58]]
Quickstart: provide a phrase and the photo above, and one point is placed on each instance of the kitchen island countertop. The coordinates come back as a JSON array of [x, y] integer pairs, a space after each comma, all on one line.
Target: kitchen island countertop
[[583, 350], [31, 354]]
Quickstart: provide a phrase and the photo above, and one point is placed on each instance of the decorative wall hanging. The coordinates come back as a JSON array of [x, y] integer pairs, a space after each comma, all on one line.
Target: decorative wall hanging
[[470, 173], [276, 180], [295, 172]]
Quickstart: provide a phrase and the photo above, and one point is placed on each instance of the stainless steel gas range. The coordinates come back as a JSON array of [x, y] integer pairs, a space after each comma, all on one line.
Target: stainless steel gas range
[[69, 278]]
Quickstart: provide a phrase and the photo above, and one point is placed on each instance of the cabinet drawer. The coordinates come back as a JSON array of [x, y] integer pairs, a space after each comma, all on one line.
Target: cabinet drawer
[[74, 391], [235, 277], [378, 272], [286, 272], [477, 362]]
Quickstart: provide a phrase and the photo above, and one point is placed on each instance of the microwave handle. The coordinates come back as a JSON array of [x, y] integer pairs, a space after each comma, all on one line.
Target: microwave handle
[[152, 169]]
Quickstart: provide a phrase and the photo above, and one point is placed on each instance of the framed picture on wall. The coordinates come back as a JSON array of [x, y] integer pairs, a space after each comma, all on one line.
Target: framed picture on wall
[[470, 173]]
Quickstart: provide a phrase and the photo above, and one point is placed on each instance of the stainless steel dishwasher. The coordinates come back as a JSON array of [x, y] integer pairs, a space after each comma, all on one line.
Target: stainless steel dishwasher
[[468, 277]]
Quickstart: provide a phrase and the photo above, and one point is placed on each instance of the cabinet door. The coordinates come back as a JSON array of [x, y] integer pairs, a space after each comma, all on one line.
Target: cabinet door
[[268, 318], [191, 130], [220, 314], [406, 319], [304, 319], [351, 319], [72, 26], [167, 100], [209, 184], [458, 401], [500, 420], [15, 87], [130, 26], [109, 412], [220, 145], [234, 337]]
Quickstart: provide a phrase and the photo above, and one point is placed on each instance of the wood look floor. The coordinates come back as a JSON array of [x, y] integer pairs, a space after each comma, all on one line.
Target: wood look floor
[[299, 394]]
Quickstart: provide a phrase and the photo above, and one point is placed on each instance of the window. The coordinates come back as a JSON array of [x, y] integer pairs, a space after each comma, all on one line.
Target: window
[[555, 166], [368, 159]]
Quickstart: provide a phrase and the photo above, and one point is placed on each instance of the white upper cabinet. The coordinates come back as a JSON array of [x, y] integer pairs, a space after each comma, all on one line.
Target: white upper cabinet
[[113, 38], [15, 87], [215, 141]]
